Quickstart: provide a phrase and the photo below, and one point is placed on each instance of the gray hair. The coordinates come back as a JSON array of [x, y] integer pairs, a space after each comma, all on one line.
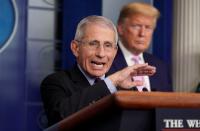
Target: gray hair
[[94, 19]]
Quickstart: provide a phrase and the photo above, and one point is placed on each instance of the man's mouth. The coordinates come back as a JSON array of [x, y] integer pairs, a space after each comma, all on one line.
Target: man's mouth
[[140, 42], [97, 65]]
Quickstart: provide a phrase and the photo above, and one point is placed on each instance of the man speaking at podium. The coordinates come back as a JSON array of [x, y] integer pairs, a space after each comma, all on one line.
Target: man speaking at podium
[[94, 46]]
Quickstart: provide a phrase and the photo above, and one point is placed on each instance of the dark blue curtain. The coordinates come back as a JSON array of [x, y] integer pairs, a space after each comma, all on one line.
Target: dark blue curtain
[[73, 12], [162, 40]]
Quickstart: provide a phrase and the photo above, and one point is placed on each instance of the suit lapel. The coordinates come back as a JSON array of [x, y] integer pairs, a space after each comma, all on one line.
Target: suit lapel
[[78, 78], [147, 59], [119, 61]]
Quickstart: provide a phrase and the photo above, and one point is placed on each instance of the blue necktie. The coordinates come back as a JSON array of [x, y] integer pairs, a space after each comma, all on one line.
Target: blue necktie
[[97, 80]]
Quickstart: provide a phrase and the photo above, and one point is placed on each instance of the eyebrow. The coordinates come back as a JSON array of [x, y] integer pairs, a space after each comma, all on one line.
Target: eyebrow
[[103, 41]]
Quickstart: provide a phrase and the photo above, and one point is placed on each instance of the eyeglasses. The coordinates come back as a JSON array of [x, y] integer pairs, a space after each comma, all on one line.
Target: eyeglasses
[[94, 45]]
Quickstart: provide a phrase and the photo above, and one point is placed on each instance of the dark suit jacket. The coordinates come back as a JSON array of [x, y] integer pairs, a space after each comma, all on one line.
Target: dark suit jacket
[[66, 92], [160, 81]]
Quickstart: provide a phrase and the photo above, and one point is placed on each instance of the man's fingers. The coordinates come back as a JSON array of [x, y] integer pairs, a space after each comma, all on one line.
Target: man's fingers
[[143, 69], [137, 83], [146, 71], [139, 66]]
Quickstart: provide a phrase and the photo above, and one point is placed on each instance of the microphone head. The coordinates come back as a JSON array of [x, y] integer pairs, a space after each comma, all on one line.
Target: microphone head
[[134, 88], [144, 89]]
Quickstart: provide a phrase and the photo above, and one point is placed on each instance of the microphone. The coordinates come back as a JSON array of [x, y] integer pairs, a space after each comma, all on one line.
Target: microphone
[[134, 88], [144, 89]]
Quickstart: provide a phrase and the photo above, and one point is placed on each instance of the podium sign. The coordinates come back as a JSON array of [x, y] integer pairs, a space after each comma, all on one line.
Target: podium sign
[[177, 119]]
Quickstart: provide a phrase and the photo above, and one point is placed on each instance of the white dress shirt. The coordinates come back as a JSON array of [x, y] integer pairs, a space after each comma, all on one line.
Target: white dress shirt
[[128, 58], [108, 82]]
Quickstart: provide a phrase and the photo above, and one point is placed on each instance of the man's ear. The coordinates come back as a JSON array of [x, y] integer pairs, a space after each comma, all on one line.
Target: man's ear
[[75, 48], [120, 29]]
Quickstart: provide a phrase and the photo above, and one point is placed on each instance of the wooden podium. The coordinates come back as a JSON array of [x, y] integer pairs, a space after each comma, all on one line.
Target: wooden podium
[[126, 111]]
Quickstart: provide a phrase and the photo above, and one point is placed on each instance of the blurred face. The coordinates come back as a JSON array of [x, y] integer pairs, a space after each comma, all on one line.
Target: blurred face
[[136, 32], [96, 51]]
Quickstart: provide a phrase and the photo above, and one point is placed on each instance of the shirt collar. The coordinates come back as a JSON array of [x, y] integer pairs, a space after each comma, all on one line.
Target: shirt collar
[[89, 78], [127, 54]]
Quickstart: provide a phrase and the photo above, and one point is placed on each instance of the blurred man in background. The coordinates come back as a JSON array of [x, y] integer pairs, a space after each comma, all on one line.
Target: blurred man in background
[[136, 24]]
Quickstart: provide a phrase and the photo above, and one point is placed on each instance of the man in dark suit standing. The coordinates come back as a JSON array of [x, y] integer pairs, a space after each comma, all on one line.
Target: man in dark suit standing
[[94, 46], [136, 25]]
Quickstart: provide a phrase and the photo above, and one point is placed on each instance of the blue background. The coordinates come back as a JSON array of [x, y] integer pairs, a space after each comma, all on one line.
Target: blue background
[[20, 102], [7, 19], [12, 68]]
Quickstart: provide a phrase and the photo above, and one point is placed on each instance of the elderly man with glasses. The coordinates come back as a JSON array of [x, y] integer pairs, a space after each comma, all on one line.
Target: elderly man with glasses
[[94, 46]]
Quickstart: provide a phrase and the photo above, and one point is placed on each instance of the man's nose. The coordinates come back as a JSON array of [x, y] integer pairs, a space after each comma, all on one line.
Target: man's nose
[[100, 52], [142, 31]]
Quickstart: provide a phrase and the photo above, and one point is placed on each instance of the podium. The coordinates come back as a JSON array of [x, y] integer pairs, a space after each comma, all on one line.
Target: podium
[[126, 111]]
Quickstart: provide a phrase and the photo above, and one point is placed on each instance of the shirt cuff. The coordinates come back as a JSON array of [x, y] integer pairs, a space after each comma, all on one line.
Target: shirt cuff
[[110, 85]]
